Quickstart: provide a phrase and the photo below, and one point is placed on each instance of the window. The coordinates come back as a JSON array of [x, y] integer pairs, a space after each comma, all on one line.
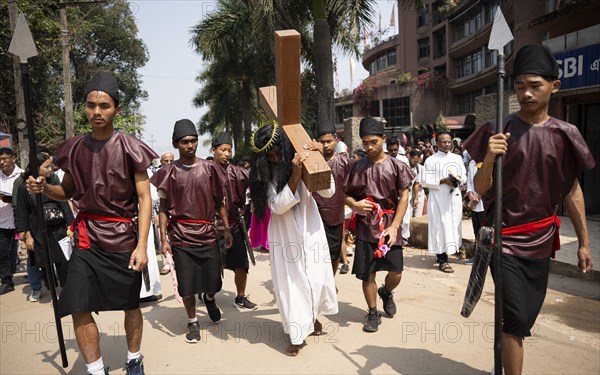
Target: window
[[469, 25], [385, 60], [382, 62], [423, 46], [391, 57], [473, 63], [477, 60], [422, 16], [440, 44], [465, 103], [491, 57], [397, 111]]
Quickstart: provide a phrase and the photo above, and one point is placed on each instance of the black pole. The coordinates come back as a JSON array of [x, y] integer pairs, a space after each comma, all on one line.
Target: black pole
[[498, 225], [40, 212]]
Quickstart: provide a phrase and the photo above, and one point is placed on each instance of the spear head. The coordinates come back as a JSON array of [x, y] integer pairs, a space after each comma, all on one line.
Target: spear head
[[501, 34], [22, 44]]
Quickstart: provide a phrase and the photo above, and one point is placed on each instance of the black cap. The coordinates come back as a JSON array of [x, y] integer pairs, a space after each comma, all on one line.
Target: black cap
[[535, 59], [222, 139], [370, 126], [105, 82], [326, 128], [183, 128]]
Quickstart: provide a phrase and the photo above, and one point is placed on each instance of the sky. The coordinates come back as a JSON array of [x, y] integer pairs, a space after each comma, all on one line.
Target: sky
[[169, 76]]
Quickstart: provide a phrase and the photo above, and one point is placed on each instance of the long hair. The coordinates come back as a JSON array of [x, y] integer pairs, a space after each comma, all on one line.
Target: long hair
[[262, 172]]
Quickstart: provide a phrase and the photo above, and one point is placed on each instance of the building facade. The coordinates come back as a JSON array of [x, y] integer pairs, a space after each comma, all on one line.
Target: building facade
[[438, 70]]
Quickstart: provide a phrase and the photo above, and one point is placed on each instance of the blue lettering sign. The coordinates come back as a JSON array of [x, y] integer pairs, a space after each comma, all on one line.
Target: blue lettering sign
[[579, 67]]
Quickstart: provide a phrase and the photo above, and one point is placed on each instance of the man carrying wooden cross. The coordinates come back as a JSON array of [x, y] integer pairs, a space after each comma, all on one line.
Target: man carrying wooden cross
[[286, 167]]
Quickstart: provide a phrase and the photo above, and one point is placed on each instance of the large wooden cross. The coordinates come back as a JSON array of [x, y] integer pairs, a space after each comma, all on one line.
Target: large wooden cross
[[283, 104]]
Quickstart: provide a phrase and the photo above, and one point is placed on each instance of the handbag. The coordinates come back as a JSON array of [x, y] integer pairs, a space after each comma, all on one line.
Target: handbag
[[53, 214]]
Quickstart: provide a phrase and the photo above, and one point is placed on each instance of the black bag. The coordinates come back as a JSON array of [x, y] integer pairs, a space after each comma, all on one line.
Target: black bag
[[53, 214]]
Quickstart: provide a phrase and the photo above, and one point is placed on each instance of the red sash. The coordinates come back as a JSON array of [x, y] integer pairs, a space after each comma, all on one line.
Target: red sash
[[80, 223], [382, 248], [193, 221], [535, 226]]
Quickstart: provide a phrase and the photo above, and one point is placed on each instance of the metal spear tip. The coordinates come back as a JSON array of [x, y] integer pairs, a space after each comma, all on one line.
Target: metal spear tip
[[501, 34], [22, 44]]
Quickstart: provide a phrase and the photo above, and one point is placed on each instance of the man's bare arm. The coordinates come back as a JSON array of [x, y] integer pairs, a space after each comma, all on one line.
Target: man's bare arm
[[576, 207]]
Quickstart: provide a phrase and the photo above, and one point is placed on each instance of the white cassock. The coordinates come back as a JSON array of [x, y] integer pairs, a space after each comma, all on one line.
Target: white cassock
[[153, 272], [409, 211], [444, 209], [300, 263]]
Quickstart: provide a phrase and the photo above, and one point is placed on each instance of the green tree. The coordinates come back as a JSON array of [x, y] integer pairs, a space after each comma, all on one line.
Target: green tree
[[102, 37], [239, 34]]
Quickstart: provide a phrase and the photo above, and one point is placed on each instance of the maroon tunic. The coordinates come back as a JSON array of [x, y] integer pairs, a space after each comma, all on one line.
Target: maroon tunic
[[193, 193], [237, 183], [103, 173], [383, 182], [332, 209], [541, 165]]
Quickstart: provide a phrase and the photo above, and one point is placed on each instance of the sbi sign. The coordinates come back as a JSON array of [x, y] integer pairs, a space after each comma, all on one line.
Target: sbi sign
[[579, 67]]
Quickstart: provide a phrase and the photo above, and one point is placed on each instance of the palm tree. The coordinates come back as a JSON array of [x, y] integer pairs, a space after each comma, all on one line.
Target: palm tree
[[239, 37]]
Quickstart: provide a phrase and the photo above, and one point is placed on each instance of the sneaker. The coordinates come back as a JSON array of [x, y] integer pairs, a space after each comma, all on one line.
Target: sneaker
[[6, 288], [349, 250], [134, 367], [388, 301], [35, 295], [193, 333], [345, 268], [106, 370], [372, 323], [211, 306], [243, 303]]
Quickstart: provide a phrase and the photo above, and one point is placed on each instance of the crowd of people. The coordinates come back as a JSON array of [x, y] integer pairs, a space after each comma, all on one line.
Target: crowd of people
[[207, 216]]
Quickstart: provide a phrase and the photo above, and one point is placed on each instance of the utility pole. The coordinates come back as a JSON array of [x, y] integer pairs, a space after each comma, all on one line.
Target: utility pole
[[64, 34], [152, 140], [21, 119]]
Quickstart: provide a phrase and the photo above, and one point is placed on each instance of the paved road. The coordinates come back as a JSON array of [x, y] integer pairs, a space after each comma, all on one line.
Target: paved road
[[427, 336]]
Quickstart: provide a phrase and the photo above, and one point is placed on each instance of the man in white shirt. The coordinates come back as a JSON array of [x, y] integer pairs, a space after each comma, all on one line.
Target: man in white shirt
[[443, 172], [8, 244]]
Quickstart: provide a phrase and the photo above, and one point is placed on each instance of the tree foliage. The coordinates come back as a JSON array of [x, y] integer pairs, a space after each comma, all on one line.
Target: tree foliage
[[101, 37], [237, 42]]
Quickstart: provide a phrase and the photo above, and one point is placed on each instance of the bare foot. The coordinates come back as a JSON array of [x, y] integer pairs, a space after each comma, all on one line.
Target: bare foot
[[293, 350], [318, 328]]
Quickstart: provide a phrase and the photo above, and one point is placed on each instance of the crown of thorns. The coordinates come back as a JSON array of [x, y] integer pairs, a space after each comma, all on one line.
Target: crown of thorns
[[269, 144]]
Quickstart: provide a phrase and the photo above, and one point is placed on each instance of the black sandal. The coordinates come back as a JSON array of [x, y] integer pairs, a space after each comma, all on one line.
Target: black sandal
[[446, 268]]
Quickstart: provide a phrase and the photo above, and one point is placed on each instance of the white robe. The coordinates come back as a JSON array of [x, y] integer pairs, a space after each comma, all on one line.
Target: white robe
[[153, 272], [444, 209], [300, 263]]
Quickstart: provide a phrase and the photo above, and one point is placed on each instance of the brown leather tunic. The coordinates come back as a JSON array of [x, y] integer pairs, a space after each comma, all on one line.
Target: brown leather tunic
[[541, 165], [383, 182], [193, 193], [332, 209], [103, 173]]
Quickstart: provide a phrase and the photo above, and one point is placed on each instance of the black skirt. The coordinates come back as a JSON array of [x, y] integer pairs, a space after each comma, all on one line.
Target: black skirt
[[524, 283], [198, 270], [365, 263], [237, 255], [335, 234], [99, 281]]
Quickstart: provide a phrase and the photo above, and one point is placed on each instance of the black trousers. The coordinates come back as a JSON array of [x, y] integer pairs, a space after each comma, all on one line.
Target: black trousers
[[7, 261]]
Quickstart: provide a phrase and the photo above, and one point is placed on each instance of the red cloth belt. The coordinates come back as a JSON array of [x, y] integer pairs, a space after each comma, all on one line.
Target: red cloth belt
[[193, 221], [80, 223], [382, 248], [535, 226]]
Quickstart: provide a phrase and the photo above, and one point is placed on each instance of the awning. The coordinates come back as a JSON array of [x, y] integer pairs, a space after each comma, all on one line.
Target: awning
[[460, 122]]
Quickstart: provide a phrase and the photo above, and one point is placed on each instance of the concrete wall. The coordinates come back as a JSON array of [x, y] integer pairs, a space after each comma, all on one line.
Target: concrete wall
[[485, 106]]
